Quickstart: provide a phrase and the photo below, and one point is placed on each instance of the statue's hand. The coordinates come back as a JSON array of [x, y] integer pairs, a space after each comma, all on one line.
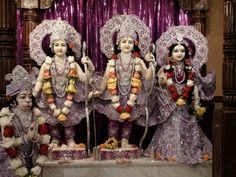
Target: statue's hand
[[35, 93], [149, 57], [71, 59], [85, 60], [196, 104], [31, 132], [162, 77], [137, 60], [53, 145], [94, 94]]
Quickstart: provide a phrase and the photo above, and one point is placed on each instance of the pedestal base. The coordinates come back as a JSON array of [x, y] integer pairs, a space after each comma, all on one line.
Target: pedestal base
[[128, 153], [68, 154]]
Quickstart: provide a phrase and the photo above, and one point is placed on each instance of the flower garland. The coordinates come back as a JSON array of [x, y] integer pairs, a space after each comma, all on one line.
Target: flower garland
[[180, 99], [11, 149], [111, 143], [70, 90], [136, 84]]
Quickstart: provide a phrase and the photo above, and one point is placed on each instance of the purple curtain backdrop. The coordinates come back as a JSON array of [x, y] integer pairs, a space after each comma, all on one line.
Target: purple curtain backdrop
[[88, 16]]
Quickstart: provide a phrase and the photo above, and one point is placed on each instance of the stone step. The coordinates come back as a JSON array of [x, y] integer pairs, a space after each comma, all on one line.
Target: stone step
[[124, 168]]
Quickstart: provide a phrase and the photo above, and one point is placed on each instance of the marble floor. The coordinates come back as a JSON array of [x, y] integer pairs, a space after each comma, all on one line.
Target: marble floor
[[124, 168]]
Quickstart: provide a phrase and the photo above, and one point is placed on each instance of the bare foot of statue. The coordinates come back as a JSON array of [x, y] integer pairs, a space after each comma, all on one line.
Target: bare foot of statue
[[125, 143], [71, 143], [54, 143]]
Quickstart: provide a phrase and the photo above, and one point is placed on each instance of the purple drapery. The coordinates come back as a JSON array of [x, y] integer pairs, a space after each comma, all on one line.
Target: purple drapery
[[88, 16]]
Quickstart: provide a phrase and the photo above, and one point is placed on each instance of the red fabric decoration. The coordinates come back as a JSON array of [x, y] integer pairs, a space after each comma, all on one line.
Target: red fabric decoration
[[136, 54], [191, 76], [11, 152], [187, 89], [114, 56], [170, 74], [8, 131], [119, 109], [174, 96], [128, 108], [171, 88], [185, 95], [43, 129], [71, 45], [43, 149], [188, 62]]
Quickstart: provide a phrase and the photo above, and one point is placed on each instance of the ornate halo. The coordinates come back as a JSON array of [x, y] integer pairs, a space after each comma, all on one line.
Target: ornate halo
[[188, 33], [115, 24], [46, 27]]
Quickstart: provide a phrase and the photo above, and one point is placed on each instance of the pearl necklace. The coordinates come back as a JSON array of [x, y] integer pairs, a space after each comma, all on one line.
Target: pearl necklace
[[124, 77], [24, 119]]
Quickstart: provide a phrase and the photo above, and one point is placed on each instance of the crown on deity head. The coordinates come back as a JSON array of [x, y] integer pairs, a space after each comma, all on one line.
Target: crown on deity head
[[20, 80], [126, 30], [180, 40], [59, 31], [126, 26]]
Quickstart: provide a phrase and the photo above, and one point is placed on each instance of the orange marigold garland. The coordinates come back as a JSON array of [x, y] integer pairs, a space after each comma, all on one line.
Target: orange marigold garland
[[71, 90], [136, 84]]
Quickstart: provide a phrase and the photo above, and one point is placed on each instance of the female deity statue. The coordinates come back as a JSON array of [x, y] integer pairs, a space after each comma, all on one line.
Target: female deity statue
[[124, 75], [178, 136], [60, 83], [25, 136]]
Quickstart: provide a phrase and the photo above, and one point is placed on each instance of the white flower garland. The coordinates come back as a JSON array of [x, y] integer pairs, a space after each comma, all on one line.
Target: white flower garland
[[8, 143]]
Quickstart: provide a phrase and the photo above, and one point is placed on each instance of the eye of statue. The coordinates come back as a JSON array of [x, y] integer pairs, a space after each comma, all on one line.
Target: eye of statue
[[123, 41], [63, 44], [130, 41], [175, 50]]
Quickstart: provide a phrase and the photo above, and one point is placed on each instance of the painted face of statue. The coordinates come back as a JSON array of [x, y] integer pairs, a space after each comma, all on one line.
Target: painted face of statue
[[24, 100], [178, 53], [126, 44], [60, 48]]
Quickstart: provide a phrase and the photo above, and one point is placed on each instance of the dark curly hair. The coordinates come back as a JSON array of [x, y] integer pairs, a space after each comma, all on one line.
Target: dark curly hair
[[187, 55]]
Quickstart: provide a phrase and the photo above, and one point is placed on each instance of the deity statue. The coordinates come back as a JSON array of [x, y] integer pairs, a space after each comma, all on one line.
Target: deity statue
[[121, 92], [178, 136], [25, 136], [60, 84]]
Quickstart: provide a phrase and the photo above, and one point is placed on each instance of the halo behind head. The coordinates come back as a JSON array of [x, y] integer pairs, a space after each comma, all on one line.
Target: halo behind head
[[186, 34]]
